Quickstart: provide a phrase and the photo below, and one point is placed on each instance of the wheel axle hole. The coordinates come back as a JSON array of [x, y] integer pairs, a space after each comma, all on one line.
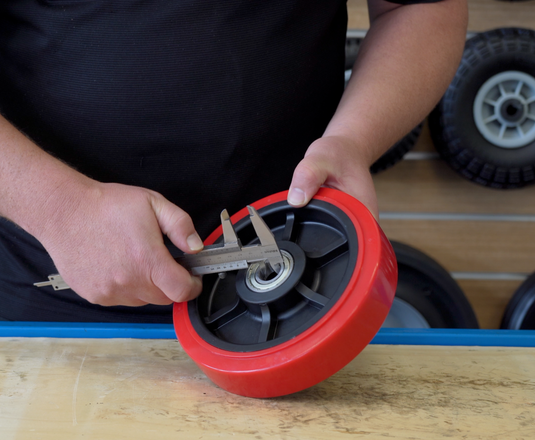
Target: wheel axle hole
[[266, 273], [512, 110]]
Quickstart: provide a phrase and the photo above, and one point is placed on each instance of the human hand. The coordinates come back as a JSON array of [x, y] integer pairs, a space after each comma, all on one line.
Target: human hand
[[107, 244], [336, 162]]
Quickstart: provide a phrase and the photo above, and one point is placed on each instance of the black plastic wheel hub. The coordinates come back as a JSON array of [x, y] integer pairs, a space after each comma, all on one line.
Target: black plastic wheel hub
[[259, 307], [258, 285]]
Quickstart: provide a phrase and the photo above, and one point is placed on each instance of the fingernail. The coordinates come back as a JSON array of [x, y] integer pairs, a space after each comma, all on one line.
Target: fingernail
[[195, 242], [296, 197]]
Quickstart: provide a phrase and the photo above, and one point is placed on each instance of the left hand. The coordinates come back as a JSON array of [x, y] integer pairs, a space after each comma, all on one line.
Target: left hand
[[336, 162]]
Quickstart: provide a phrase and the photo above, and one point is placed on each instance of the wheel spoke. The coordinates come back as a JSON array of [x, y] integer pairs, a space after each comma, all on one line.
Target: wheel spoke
[[329, 252], [288, 233], [530, 100], [267, 330], [519, 130], [490, 102], [490, 119], [502, 131], [502, 90], [225, 315], [519, 87], [316, 280], [312, 297]]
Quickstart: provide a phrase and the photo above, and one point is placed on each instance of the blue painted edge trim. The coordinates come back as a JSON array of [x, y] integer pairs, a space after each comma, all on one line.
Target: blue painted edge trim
[[86, 330], [456, 337], [387, 336]]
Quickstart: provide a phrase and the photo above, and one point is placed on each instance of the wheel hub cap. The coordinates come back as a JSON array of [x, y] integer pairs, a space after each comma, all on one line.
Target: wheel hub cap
[[504, 109]]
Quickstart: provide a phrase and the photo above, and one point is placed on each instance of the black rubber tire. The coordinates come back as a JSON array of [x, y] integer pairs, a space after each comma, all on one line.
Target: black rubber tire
[[429, 288], [452, 123], [395, 153], [352, 50], [520, 312]]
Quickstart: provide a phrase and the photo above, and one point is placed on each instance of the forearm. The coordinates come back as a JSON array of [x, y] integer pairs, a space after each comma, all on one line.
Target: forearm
[[405, 64], [105, 239], [35, 187]]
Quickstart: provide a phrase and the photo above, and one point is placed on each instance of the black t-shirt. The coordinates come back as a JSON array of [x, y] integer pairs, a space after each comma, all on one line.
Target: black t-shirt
[[211, 103]]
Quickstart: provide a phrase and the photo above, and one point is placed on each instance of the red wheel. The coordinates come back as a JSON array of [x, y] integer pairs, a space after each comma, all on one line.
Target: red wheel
[[264, 335]]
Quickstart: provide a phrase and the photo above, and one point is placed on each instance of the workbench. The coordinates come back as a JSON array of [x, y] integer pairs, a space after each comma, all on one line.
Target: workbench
[[103, 383]]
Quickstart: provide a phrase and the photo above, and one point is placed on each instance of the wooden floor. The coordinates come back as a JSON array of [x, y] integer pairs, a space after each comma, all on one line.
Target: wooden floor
[[64, 389], [484, 14], [485, 237]]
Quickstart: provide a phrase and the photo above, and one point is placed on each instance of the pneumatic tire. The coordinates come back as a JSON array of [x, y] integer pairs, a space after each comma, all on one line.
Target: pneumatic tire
[[484, 126]]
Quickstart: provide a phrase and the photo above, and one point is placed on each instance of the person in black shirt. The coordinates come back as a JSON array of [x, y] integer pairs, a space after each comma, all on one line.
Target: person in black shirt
[[127, 121]]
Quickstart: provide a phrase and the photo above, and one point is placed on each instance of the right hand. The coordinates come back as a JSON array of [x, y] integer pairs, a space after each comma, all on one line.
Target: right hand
[[107, 244]]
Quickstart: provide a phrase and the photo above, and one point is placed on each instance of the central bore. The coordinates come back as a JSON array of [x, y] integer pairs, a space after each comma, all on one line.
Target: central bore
[[261, 277], [512, 110]]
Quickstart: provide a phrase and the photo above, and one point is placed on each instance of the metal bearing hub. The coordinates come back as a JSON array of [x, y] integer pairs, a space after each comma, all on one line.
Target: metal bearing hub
[[504, 109], [261, 278]]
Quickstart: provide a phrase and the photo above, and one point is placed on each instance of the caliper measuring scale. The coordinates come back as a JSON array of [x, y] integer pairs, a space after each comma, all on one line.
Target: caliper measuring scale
[[218, 258]]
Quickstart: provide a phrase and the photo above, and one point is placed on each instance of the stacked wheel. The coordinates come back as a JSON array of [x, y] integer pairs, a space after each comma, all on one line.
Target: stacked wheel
[[520, 312], [258, 333], [484, 127], [426, 295]]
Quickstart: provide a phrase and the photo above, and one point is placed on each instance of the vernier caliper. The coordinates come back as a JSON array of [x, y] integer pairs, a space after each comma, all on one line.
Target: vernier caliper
[[217, 258]]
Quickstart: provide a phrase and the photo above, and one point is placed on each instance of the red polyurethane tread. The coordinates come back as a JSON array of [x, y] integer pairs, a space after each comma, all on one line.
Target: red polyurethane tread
[[329, 344]]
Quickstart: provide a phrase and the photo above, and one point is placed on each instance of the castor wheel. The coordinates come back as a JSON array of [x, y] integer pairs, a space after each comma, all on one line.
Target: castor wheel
[[426, 295], [484, 126], [520, 312], [261, 333]]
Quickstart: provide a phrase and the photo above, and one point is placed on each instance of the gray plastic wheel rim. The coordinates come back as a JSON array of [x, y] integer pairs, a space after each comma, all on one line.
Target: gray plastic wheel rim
[[403, 315], [347, 76], [504, 109]]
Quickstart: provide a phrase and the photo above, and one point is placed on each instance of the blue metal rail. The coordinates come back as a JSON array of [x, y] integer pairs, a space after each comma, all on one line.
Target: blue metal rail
[[388, 336]]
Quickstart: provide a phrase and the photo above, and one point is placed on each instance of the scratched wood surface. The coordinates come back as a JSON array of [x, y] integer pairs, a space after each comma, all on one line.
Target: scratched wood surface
[[137, 389]]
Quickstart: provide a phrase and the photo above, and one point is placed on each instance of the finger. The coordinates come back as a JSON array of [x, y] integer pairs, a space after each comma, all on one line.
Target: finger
[[176, 224], [175, 282], [153, 296], [308, 177], [364, 191], [115, 297], [136, 295]]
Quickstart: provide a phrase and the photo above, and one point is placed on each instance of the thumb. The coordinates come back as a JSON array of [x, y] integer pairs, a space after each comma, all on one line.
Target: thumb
[[175, 282], [307, 179], [176, 224]]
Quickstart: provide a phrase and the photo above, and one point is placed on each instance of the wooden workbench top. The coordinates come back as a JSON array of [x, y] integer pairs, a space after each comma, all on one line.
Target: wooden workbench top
[[141, 389]]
